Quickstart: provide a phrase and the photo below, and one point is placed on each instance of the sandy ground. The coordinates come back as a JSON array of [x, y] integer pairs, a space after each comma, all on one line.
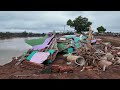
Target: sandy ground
[[24, 71]]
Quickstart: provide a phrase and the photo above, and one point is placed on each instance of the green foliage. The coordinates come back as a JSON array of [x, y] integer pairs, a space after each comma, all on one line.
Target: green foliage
[[79, 24], [25, 34], [101, 29]]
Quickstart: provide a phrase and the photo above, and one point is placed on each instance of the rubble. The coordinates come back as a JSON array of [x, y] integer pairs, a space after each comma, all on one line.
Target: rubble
[[103, 58], [104, 64], [109, 56], [118, 48], [80, 61], [68, 63], [118, 53], [72, 57], [118, 61], [79, 53]]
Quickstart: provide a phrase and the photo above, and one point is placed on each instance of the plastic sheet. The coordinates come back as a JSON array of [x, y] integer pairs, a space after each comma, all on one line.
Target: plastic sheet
[[45, 44], [40, 57]]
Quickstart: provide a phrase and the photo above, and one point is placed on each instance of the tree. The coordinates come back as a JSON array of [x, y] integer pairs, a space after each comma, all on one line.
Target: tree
[[101, 29], [24, 34], [80, 24], [30, 34], [43, 34]]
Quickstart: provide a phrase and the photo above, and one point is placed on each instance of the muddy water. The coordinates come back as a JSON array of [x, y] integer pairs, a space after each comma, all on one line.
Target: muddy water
[[12, 47]]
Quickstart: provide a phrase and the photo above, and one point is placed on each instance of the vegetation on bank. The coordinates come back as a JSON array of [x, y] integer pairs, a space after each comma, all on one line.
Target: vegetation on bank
[[7, 35]]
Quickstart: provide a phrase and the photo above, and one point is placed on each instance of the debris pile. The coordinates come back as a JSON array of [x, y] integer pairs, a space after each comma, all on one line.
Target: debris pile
[[100, 57], [79, 51]]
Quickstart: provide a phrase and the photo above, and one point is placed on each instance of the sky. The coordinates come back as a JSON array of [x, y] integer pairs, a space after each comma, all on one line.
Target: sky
[[47, 21]]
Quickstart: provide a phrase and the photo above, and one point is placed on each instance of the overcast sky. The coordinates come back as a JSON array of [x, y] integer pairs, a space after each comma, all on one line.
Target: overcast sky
[[45, 21]]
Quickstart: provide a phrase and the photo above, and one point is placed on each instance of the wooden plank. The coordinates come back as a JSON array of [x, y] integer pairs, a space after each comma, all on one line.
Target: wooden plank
[[89, 38]]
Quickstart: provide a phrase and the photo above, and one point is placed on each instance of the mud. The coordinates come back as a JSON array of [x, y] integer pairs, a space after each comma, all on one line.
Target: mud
[[10, 71]]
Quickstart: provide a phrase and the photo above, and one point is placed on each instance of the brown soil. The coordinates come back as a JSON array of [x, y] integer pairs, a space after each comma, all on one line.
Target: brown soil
[[25, 71], [114, 40]]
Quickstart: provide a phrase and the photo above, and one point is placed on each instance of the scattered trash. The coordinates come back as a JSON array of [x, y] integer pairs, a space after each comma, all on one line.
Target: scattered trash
[[99, 52], [80, 61], [104, 64], [70, 50], [106, 49], [103, 58], [118, 53], [98, 41], [68, 63], [107, 43], [109, 56], [118, 61], [66, 55], [73, 58], [63, 39], [117, 48]]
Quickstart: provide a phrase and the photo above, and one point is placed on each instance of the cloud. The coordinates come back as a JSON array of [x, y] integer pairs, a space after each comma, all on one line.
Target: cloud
[[44, 21]]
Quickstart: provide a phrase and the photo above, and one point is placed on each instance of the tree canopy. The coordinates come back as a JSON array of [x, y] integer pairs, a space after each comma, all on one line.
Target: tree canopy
[[80, 24], [101, 29]]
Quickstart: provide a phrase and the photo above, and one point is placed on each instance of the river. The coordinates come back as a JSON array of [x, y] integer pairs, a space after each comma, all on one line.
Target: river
[[12, 47]]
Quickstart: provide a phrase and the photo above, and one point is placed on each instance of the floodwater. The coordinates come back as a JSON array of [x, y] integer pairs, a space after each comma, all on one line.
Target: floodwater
[[13, 47]]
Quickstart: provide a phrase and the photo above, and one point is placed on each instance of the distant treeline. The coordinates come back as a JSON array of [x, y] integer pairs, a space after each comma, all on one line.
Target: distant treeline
[[7, 35], [107, 34]]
